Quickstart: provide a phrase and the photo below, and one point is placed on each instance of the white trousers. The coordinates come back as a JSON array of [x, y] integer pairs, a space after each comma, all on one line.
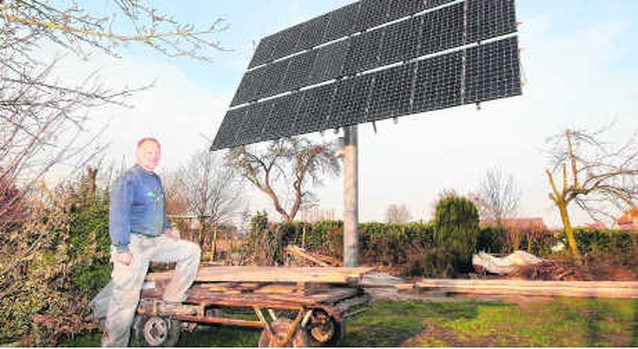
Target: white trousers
[[128, 280]]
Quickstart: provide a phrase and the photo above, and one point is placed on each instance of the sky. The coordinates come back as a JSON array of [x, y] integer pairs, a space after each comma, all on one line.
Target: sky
[[579, 67]]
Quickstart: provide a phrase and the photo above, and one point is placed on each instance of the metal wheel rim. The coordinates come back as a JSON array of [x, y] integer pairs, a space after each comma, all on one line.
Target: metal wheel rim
[[322, 328], [156, 331]]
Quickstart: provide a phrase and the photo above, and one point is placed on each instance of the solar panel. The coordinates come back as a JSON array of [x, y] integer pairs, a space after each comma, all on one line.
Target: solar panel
[[227, 133], [400, 41], [312, 33], [372, 13], [329, 62], [364, 52], [438, 82], [280, 121], [287, 41], [251, 130], [264, 51], [427, 60], [493, 71], [298, 71], [314, 109], [442, 29], [270, 81], [350, 101], [401, 8], [342, 22], [490, 18], [392, 92]]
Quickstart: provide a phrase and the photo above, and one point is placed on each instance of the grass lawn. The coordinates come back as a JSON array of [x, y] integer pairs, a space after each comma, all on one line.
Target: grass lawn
[[561, 322]]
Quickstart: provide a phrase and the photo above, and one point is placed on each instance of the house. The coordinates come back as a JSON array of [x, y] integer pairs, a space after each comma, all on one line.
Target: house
[[521, 224], [628, 221], [596, 226]]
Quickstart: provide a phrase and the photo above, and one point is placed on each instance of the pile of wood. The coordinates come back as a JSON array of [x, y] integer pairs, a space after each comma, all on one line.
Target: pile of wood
[[553, 271], [307, 259]]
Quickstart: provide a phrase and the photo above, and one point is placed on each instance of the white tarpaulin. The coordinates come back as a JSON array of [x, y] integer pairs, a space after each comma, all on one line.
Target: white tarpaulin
[[505, 265]]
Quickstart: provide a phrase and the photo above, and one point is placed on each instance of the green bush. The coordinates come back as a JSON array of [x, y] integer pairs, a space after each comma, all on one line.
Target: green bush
[[326, 237], [491, 240], [456, 228], [55, 265], [616, 242]]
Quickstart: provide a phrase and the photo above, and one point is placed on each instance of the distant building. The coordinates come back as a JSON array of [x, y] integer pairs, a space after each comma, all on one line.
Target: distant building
[[597, 226], [628, 221], [520, 224]]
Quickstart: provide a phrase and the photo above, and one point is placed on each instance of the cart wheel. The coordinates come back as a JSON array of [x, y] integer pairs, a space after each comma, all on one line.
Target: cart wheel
[[280, 327], [155, 331], [324, 330]]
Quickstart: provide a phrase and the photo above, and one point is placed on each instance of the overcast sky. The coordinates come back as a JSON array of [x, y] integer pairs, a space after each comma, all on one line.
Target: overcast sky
[[579, 60]]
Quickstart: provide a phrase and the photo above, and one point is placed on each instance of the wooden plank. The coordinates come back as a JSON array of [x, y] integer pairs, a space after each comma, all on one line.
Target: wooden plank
[[602, 289], [336, 275], [277, 288]]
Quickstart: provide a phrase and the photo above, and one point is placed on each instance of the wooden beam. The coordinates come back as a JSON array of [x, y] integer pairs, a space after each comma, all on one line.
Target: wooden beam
[[334, 275], [601, 289]]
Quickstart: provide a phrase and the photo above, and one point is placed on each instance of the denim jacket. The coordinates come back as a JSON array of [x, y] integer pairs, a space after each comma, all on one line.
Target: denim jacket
[[137, 206]]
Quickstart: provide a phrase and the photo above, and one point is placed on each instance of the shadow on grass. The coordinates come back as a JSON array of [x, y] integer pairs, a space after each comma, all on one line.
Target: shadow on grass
[[220, 336], [391, 323]]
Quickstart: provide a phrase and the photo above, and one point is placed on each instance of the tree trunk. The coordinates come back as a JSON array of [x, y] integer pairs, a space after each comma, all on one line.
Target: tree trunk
[[569, 231], [213, 248]]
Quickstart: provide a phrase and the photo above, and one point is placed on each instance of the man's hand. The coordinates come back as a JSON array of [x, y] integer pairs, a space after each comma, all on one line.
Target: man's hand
[[172, 233], [123, 257]]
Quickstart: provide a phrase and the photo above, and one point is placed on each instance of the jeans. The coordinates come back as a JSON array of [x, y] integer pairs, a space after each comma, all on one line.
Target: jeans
[[128, 280]]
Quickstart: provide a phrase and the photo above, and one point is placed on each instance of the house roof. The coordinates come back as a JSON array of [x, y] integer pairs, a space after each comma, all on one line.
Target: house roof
[[628, 217], [534, 223]]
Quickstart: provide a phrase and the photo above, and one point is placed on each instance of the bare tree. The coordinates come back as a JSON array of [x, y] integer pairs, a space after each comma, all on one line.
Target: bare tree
[[397, 214], [499, 196], [593, 173], [211, 190], [42, 119], [286, 164]]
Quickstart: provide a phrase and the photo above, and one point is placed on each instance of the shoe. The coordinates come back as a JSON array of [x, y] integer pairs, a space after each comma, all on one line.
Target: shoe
[[172, 308]]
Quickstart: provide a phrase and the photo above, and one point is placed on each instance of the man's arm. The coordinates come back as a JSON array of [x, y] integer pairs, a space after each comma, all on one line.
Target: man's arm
[[120, 214]]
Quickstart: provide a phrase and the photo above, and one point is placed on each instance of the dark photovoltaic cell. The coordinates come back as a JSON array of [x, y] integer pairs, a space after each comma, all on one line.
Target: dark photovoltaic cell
[[402, 8], [273, 75], [315, 109], [442, 29], [490, 18], [227, 133], [392, 92], [252, 128], [493, 71], [264, 51], [342, 22], [329, 62], [438, 82], [298, 71], [351, 101], [372, 13], [400, 41], [312, 33], [364, 52], [427, 80], [287, 42], [283, 111]]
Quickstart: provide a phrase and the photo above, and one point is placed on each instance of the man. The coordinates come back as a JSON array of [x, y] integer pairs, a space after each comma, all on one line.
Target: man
[[140, 233]]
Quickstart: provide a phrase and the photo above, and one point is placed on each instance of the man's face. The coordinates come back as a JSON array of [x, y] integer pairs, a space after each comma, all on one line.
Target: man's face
[[148, 155]]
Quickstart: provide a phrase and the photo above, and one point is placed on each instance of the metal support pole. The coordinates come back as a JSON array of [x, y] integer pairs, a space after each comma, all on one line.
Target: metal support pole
[[351, 198]]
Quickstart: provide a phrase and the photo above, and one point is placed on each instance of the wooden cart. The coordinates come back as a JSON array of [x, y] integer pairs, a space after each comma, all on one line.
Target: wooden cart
[[294, 306]]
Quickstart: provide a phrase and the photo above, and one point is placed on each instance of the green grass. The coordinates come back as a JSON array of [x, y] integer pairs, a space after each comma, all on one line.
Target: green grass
[[562, 322]]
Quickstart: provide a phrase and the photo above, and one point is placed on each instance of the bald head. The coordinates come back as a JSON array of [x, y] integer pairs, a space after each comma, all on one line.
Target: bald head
[[148, 153]]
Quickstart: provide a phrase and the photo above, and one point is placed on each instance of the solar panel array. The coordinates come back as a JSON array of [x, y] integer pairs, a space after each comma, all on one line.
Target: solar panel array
[[372, 60]]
